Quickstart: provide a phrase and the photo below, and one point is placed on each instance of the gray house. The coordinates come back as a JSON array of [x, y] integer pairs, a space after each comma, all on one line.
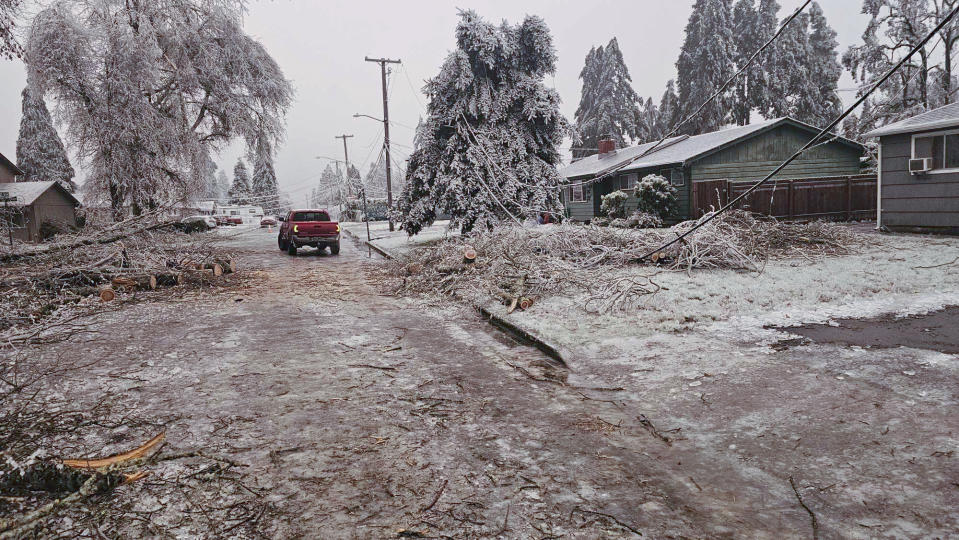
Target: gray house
[[28, 205], [743, 153], [919, 172]]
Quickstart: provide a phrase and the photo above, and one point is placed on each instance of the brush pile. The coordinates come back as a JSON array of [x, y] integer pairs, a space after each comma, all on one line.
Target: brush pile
[[519, 265], [48, 285]]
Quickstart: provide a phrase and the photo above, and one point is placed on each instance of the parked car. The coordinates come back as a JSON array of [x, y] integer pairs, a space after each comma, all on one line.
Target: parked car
[[193, 224], [268, 221], [222, 221], [309, 228]]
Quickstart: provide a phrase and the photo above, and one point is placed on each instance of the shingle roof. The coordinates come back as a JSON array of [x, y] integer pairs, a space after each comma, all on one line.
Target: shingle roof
[[943, 117], [10, 165], [677, 150], [28, 192]]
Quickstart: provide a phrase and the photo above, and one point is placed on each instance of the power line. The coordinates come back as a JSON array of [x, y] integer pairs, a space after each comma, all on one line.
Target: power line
[[812, 142]]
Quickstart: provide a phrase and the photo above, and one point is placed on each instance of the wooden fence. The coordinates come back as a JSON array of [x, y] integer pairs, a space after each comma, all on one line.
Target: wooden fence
[[834, 197]]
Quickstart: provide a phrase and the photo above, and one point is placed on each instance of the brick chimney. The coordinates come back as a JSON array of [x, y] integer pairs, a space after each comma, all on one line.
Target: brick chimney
[[606, 146]]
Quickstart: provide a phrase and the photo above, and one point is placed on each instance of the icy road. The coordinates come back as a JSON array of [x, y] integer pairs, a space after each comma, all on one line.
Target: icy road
[[370, 416]]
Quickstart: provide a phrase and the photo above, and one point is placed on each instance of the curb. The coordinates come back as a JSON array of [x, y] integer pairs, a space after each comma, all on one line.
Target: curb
[[501, 324], [370, 245]]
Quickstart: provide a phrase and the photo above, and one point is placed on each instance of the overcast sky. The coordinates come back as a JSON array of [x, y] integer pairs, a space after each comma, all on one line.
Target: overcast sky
[[321, 45]]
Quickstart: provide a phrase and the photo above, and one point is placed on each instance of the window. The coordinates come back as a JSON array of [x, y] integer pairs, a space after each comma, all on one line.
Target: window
[[576, 194], [677, 177], [626, 182], [942, 147], [310, 216], [252, 211]]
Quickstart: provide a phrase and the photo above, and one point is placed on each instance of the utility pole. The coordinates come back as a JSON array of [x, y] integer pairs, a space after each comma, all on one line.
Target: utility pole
[[346, 157], [386, 132]]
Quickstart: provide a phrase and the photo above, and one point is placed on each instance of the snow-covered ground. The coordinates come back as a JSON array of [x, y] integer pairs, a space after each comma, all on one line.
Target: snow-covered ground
[[397, 241]]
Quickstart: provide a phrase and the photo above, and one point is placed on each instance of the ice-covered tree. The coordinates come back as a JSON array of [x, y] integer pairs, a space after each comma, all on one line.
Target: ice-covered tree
[[705, 63], [221, 186], [894, 28], [146, 89], [746, 34], [824, 69], [490, 141], [670, 112], [608, 107], [264, 189], [331, 187], [240, 192], [9, 47], [40, 152], [768, 79]]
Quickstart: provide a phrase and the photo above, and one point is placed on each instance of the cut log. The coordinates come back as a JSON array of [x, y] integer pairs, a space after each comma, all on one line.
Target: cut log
[[469, 255], [135, 282], [107, 294], [169, 280], [216, 267], [228, 265], [525, 303]]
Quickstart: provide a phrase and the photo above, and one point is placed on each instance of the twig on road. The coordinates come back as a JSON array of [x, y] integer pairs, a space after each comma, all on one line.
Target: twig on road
[[611, 517], [812, 515], [436, 498]]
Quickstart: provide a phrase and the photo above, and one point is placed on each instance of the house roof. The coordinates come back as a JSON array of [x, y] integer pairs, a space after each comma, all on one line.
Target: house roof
[[943, 117], [17, 171], [28, 192], [680, 150]]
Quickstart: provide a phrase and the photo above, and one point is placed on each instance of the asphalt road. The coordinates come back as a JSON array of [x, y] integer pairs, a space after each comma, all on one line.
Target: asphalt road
[[363, 414]]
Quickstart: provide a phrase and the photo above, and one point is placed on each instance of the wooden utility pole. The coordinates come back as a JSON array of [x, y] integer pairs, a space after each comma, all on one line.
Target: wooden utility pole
[[386, 132], [346, 157]]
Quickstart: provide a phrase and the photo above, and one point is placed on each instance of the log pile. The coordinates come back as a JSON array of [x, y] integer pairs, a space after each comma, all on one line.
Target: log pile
[[518, 266], [50, 281]]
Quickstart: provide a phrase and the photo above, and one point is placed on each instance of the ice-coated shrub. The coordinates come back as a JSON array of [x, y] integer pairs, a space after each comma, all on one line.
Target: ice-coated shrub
[[657, 196], [644, 220], [614, 205]]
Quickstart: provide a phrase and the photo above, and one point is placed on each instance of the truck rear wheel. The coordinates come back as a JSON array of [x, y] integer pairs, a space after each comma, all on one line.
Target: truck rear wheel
[[291, 248], [279, 242], [335, 248]]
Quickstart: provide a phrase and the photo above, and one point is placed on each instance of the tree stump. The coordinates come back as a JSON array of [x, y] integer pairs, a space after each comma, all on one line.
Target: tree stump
[[107, 294]]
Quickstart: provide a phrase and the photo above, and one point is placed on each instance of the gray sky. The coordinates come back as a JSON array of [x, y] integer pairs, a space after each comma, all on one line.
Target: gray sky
[[321, 46]]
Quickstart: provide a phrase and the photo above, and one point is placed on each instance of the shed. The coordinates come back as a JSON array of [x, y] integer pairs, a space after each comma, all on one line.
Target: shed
[[742, 153], [31, 204], [919, 172], [9, 170]]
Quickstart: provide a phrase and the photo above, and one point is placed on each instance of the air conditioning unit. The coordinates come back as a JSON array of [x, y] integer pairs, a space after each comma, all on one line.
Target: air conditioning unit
[[920, 165]]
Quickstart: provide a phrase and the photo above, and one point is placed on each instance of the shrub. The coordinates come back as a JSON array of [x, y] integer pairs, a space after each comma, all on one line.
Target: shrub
[[644, 220], [657, 197], [614, 204], [619, 223], [599, 222]]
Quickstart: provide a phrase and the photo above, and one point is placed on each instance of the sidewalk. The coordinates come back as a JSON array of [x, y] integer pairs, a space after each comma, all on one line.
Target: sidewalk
[[398, 241]]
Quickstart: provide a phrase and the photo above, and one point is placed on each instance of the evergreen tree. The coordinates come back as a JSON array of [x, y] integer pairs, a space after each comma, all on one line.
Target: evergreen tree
[[490, 142], [40, 152], [221, 186], [824, 69], [705, 63], [746, 33], [766, 82], [650, 121], [240, 191], [266, 192], [609, 107], [670, 113], [794, 83]]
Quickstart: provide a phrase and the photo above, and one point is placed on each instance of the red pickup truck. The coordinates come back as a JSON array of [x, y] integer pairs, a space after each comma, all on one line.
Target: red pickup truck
[[308, 228]]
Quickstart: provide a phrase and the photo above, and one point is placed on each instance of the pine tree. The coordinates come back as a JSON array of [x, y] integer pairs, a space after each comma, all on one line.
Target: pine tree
[[263, 187], [705, 63], [794, 80], [40, 152], [746, 33], [221, 186], [240, 191], [767, 80], [609, 107], [490, 142], [670, 112], [824, 69]]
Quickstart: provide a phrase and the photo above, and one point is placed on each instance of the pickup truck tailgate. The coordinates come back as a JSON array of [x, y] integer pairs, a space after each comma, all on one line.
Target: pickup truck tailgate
[[315, 228]]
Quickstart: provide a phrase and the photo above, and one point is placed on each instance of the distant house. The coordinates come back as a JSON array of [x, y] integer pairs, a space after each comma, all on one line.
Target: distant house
[[9, 172], [745, 153], [919, 172], [28, 205]]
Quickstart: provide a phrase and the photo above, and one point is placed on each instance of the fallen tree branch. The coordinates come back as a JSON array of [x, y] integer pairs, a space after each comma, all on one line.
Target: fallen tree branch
[[812, 515]]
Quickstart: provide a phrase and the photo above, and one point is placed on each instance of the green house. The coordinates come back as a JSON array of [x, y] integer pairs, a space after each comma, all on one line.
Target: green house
[[742, 153]]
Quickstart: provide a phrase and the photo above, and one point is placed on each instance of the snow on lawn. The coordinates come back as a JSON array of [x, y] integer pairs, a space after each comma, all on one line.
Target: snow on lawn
[[886, 276], [398, 241]]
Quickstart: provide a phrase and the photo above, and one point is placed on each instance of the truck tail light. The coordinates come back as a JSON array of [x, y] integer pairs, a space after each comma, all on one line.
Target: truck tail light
[[296, 228], [337, 228]]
